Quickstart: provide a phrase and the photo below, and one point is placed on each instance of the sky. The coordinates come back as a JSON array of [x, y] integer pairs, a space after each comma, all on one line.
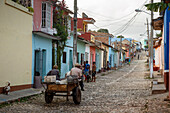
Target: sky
[[116, 16]]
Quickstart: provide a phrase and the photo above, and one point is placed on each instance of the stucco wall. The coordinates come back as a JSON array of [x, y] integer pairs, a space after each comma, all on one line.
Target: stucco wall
[[111, 57], [15, 45], [38, 14], [107, 49], [98, 59], [65, 66], [80, 49], [102, 53], [40, 43], [87, 49], [92, 58]]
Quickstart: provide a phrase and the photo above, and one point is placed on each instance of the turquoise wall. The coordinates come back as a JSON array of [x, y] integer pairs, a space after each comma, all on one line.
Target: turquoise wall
[[65, 67], [80, 49], [39, 43], [98, 59], [111, 53], [111, 57]]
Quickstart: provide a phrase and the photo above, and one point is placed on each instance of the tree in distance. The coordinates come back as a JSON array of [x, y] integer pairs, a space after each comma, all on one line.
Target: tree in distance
[[103, 30], [120, 36]]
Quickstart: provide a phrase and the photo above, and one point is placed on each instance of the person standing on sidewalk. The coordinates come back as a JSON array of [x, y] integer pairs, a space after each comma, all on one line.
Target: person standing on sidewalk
[[129, 61], [138, 56], [93, 72], [86, 71]]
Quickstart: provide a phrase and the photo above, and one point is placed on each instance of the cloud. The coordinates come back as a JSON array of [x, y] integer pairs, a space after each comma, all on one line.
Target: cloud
[[108, 13]]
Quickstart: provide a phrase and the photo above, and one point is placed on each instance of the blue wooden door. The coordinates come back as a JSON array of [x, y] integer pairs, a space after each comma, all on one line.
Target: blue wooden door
[[43, 63], [110, 60], [97, 63], [71, 60], [37, 62]]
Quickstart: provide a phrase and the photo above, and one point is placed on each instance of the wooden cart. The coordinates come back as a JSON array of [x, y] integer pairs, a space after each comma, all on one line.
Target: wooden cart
[[52, 89]]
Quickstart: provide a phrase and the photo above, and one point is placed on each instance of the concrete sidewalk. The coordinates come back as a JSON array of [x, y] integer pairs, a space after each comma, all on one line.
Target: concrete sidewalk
[[19, 94]]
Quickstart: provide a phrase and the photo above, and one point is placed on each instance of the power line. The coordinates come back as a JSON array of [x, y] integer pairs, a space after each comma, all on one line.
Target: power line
[[110, 18], [118, 19], [125, 26]]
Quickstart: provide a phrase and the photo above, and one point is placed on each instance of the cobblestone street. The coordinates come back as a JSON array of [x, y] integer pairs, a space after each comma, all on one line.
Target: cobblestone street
[[122, 91]]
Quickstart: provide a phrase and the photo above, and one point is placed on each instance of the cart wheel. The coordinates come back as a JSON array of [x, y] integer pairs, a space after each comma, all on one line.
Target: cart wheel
[[48, 97], [77, 95]]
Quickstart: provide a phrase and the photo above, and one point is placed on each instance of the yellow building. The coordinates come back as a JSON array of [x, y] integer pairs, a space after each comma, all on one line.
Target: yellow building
[[104, 39], [15, 45], [105, 55]]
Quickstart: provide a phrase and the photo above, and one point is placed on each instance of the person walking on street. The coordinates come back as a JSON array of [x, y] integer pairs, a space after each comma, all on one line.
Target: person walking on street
[[93, 72], [108, 64], [83, 69], [129, 61], [78, 71], [86, 71], [138, 56]]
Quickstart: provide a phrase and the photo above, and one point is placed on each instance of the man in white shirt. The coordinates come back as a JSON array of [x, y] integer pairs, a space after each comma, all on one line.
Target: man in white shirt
[[77, 71]]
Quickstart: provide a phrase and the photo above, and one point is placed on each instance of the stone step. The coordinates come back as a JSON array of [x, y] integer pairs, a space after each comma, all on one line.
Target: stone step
[[160, 81], [158, 89]]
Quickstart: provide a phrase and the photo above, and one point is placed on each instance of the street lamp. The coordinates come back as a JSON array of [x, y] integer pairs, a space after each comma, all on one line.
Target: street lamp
[[138, 10], [151, 41]]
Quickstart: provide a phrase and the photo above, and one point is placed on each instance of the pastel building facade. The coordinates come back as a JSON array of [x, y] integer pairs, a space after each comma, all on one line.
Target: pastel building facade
[[42, 38], [67, 57], [15, 45], [166, 47], [111, 52]]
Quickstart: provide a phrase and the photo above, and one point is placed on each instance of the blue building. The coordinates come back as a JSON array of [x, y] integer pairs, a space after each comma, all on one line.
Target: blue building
[[111, 52], [81, 45], [166, 39], [67, 57], [41, 53]]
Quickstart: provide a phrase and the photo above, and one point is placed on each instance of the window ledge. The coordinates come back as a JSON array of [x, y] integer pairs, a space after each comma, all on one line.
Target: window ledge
[[18, 6]]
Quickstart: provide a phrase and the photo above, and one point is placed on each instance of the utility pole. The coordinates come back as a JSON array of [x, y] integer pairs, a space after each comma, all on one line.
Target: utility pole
[[75, 34], [148, 39], [151, 38], [133, 45]]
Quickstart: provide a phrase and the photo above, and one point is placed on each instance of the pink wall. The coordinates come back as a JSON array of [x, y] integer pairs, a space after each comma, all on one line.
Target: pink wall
[[92, 51], [52, 17], [38, 15]]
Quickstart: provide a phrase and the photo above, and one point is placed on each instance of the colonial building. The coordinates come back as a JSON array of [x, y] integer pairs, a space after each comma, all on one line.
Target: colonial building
[[42, 38], [15, 45]]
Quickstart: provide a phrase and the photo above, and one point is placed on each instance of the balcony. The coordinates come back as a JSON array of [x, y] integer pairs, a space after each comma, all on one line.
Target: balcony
[[49, 30], [25, 3], [16, 4]]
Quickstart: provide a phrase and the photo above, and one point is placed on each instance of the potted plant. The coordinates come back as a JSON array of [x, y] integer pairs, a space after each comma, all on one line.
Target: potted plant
[[37, 80]]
